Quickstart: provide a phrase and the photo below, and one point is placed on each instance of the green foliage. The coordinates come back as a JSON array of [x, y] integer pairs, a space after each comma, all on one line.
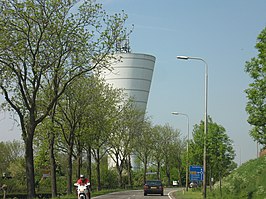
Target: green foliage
[[247, 181], [9, 153], [219, 149], [256, 93], [109, 178], [17, 182], [12, 165]]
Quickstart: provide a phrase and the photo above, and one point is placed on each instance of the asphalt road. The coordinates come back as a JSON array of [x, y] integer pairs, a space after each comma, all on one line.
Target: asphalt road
[[137, 194]]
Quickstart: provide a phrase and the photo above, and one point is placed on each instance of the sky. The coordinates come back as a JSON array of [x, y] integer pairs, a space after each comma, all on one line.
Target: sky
[[223, 33]]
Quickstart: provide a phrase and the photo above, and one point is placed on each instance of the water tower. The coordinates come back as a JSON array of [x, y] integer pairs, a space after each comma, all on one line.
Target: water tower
[[133, 74]]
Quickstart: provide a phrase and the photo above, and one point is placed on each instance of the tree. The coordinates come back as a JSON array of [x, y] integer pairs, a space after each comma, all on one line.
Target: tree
[[43, 47], [158, 155], [220, 153], [171, 149], [256, 93], [71, 110], [144, 145], [123, 131], [100, 119]]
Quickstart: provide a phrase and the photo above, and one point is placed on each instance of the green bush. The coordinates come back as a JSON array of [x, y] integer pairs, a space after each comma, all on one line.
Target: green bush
[[247, 181], [14, 185]]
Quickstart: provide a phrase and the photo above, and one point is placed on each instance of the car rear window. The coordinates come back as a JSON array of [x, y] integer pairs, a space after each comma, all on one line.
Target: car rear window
[[154, 182]]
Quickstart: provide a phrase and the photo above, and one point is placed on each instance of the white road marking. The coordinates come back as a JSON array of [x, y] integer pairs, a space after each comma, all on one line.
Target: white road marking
[[170, 193]]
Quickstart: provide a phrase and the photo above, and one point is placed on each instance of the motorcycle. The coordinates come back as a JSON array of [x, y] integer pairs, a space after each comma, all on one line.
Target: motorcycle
[[83, 191]]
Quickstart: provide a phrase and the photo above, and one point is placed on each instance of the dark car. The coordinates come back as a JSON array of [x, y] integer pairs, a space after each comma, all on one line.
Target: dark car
[[153, 187]]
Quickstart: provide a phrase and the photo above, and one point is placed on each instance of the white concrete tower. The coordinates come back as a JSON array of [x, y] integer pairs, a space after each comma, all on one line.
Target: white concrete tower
[[133, 74]]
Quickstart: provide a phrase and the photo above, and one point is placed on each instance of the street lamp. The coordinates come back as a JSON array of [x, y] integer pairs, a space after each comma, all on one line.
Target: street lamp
[[177, 113], [205, 118]]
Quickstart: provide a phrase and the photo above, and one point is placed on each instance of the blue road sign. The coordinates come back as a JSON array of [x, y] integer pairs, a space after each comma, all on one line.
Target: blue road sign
[[196, 173]]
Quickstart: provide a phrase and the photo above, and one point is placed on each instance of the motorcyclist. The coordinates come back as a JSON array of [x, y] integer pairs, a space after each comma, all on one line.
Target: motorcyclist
[[84, 181]]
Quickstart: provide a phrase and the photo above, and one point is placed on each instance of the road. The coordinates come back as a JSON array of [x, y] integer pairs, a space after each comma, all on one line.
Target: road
[[137, 194]]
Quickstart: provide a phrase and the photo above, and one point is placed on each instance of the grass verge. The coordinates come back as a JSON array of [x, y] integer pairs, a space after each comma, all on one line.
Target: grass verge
[[190, 194]]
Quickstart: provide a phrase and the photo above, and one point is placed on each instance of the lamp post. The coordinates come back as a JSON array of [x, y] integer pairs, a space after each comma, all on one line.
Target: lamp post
[[205, 118], [177, 113]]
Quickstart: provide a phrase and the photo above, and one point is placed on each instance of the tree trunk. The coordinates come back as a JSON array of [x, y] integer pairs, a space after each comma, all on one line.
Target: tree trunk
[[179, 177], [69, 177], [120, 180], [145, 170], [98, 170], [210, 180], [53, 166], [130, 183], [89, 163], [30, 164], [168, 174], [52, 157], [119, 171], [158, 170], [79, 159], [79, 165], [179, 168], [220, 184]]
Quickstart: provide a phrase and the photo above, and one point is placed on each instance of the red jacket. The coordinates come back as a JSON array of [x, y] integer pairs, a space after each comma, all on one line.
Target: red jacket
[[85, 181]]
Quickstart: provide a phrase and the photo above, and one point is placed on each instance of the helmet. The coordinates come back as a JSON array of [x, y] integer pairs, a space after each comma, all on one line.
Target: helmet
[[82, 176]]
